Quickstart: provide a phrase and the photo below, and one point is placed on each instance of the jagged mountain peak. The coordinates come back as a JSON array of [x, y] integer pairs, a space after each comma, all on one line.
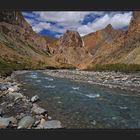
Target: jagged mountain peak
[[70, 39], [109, 27]]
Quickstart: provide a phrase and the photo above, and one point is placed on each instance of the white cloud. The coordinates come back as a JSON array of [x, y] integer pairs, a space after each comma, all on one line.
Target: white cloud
[[121, 20], [63, 17], [41, 25], [72, 20], [118, 21]]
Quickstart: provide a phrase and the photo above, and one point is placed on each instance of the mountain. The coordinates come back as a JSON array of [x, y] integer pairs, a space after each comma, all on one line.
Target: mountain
[[70, 49], [23, 48], [101, 38], [19, 44], [109, 46]]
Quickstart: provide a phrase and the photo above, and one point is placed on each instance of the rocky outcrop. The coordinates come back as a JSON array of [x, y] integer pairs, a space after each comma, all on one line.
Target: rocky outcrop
[[70, 39], [70, 49]]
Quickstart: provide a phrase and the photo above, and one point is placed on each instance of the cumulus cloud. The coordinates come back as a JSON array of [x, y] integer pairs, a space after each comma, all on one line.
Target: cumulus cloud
[[72, 20], [118, 21], [40, 26]]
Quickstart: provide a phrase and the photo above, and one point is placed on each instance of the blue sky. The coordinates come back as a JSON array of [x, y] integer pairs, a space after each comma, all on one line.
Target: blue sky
[[55, 23]]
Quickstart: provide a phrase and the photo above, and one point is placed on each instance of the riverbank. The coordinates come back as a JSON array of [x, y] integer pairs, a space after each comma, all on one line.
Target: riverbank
[[20, 112], [125, 81]]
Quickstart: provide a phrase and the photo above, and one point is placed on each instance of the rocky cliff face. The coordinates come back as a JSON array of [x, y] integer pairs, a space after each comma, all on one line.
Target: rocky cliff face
[[14, 18], [115, 46], [70, 49], [19, 43], [96, 41]]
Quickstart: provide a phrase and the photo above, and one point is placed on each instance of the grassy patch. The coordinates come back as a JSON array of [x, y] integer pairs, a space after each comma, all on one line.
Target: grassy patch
[[127, 68], [7, 67]]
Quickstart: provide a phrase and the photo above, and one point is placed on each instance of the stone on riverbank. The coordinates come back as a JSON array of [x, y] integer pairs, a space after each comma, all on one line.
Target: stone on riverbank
[[26, 122], [34, 98], [38, 110], [14, 88], [13, 120], [3, 87], [53, 124], [4, 122], [16, 95]]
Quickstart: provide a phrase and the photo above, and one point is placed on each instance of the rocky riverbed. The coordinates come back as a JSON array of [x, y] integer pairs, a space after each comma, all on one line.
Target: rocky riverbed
[[120, 80], [20, 112]]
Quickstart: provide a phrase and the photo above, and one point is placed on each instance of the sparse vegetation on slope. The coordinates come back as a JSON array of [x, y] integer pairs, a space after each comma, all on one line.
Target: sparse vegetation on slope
[[127, 68]]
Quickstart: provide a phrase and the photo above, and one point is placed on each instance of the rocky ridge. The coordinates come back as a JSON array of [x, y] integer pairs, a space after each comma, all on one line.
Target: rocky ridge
[[122, 48]]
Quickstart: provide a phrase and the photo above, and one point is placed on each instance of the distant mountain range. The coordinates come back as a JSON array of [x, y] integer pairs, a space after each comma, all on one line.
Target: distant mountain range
[[24, 48]]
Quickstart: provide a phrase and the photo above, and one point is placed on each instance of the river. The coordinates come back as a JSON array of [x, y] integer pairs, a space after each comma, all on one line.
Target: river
[[82, 105]]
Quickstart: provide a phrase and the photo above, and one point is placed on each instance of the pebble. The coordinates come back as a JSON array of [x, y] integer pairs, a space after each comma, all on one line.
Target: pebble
[[49, 117], [114, 118], [94, 122], [3, 87], [34, 98], [1, 111]]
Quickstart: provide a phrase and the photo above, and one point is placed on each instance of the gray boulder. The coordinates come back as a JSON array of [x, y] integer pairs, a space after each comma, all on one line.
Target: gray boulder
[[4, 122], [3, 87], [53, 124], [38, 110], [26, 122]]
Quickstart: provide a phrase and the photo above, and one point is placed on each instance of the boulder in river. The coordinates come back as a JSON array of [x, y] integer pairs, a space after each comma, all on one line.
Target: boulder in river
[[34, 98], [26, 122]]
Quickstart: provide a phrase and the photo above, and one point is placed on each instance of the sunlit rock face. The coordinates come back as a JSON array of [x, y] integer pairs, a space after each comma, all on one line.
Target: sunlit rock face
[[70, 49], [116, 46]]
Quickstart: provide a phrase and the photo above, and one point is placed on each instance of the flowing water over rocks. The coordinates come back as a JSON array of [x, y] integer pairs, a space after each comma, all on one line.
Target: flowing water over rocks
[[78, 103]]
